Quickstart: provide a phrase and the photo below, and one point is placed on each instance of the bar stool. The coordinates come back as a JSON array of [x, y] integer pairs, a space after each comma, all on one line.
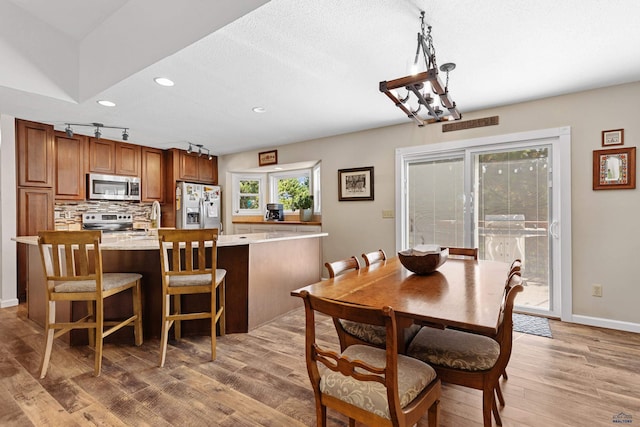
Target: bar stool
[[72, 262], [188, 268]]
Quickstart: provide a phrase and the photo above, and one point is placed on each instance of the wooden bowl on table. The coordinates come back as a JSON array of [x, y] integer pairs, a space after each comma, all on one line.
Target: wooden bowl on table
[[423, 259]]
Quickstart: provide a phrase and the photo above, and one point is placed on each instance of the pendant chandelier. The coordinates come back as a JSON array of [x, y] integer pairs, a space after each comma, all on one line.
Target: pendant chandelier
[[424, 89]]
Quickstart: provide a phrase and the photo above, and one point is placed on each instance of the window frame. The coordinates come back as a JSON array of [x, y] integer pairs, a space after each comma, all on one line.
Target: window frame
[[236, 179], [274, 177]]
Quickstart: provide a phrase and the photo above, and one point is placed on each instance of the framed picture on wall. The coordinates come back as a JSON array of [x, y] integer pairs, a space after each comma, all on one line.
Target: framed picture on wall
[[355, 184], [268, 158], [614, 169], [612, 137]]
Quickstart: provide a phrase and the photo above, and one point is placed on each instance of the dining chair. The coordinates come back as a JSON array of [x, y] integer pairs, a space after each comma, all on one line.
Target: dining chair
[[464, 252], [373, 257], [468, 359], [72, 263], [338, 267], [350, 333], [188, 260], [374, 386]]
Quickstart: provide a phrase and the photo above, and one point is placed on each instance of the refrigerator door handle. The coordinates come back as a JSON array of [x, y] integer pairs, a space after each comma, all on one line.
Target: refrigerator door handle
[[202, 212]]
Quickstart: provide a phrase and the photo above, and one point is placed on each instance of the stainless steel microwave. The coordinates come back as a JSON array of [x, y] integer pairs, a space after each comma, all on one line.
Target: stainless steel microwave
[[113, 187]]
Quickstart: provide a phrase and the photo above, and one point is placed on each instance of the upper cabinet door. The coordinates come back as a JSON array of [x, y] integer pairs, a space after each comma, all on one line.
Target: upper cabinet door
[[152, 175], [70, 167], [189, 166], [102, 156], [34, 154], [208, 169], [127, 159]]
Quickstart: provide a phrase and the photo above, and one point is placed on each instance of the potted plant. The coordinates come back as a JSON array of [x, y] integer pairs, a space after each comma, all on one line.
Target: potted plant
[[304, 202]]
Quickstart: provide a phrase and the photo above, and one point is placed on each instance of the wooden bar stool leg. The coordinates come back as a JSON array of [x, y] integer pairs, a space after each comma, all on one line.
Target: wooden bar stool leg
[[50, 317], [91, 313], [222, 313], [177, 330], [214, 316], [136, 291], [166, 324], [99, 331]]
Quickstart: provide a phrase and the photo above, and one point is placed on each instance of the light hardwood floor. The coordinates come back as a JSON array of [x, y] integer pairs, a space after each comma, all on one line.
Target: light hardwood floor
[[584, 376]]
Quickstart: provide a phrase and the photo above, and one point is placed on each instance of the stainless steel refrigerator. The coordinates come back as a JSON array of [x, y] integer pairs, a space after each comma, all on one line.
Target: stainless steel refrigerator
[[198, 206]]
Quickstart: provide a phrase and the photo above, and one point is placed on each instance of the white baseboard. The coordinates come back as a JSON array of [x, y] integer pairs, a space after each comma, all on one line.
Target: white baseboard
[[9, 302], [606, 323]]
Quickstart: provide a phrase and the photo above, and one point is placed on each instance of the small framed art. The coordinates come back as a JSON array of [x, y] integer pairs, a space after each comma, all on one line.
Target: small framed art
[[268, 158], [614, 169], [612, 137], [355, 184]]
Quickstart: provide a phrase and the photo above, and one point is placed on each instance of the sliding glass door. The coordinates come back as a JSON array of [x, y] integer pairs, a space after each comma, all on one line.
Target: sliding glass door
[[498, 197]]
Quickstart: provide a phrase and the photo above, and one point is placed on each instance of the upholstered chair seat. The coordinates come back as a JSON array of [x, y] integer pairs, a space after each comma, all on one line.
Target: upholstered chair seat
[[109, 281], [413, 377], [375, 335], [455, 349]]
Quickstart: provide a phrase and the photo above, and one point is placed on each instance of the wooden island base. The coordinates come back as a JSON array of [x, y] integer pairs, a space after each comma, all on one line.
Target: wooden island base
[[260, 277]]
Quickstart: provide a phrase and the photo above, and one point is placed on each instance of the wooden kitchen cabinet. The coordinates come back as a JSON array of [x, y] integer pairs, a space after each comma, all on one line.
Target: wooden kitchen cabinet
[[152, 175], [34, 154], [127, 159], [35, 213], [112, 157], [70, 166], [197, 168], [102, 156]]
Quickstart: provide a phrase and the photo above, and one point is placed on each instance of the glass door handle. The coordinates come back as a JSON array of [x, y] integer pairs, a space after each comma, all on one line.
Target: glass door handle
[[553, 230]]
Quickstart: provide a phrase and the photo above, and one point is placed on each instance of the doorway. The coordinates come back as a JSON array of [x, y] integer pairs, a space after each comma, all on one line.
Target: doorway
[[500, 195]]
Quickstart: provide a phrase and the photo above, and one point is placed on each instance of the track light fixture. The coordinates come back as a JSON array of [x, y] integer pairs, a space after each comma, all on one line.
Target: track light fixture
[[97, 133], [201, 150]]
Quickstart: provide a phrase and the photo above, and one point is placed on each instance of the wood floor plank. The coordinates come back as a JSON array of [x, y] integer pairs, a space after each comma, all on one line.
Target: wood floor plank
[[583, 376]]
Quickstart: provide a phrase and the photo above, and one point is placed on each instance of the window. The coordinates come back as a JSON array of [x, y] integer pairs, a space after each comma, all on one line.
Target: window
[[285, 186], [248, 198], [251, 194]]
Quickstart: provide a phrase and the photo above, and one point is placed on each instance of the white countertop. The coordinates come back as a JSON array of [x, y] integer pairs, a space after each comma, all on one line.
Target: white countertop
[[139, 240]]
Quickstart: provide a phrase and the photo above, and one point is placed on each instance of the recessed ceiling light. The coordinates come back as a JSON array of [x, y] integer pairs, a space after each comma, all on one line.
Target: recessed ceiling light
[[106, 103], [259, 109], [163, 81]]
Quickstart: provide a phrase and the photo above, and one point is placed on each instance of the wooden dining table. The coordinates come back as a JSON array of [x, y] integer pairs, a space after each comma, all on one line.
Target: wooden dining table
[[461, 293]]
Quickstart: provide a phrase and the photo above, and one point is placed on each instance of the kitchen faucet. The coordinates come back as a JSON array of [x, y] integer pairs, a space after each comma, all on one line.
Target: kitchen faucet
[[155, 214]]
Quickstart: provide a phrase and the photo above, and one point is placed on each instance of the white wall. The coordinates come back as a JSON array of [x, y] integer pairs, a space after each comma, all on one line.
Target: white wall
[[8, 268], [606, 237]]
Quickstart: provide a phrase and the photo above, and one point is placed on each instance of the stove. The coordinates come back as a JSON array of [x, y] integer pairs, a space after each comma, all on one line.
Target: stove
[[106, 221]]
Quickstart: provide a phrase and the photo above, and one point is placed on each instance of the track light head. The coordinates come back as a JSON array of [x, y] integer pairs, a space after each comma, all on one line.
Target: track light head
[[199, 151], [210, 157], [97, 133], [69, 131], [190, 149], [125, 135]]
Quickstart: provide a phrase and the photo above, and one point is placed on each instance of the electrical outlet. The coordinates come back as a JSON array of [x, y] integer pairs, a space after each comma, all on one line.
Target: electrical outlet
[[596, 290], [58, 215]]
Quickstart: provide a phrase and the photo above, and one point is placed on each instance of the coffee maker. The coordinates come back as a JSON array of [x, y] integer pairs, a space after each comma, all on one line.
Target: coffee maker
[[275, 212]]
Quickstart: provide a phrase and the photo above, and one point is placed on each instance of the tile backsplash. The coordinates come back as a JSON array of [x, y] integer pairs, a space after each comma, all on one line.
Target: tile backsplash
[[68, 215]]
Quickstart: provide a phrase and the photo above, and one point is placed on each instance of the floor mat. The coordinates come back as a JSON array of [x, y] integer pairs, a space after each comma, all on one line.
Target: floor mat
[[531, 325]]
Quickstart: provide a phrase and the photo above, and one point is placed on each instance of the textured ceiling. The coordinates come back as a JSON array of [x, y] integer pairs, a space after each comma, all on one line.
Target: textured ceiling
[[313, 65]]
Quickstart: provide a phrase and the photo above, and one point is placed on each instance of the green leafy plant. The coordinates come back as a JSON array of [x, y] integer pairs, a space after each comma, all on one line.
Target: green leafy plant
[[302, 201]]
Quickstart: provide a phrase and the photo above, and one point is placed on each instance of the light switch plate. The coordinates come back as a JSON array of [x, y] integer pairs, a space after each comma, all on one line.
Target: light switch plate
[[387, 213]]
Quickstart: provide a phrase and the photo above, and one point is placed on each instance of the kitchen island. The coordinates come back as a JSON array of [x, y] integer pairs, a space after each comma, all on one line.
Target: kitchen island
[[262, 270]]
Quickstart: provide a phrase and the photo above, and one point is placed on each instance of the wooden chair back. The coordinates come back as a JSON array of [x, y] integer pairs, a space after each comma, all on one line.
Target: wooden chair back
[[464, 252], [69, 256], [72, 263], [385, 372], [188, 260], [338, 267], [373, 257]]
